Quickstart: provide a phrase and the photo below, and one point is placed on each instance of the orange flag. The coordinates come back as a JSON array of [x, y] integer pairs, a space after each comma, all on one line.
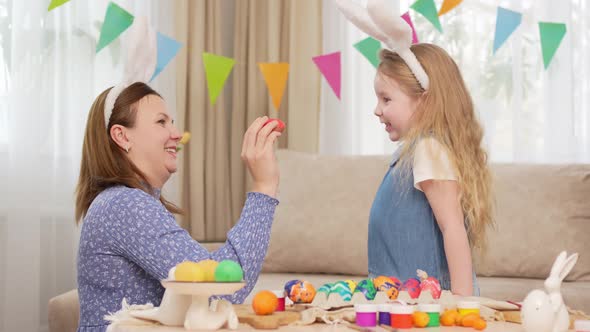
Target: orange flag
[[447, 6], [275, 76]]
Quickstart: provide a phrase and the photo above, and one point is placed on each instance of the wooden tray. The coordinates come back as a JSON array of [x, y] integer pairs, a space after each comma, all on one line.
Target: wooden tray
[[269, 322]]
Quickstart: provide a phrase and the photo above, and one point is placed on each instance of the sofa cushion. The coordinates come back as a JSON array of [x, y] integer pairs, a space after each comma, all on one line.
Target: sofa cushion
[[576, 295], [541, 210]]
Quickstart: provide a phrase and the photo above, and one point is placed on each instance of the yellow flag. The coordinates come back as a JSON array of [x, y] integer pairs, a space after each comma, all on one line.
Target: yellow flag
[[275, 76], [447, 6]]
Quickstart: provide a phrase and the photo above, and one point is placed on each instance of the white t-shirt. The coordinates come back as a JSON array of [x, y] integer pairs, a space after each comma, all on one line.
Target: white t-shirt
[[432, 162]]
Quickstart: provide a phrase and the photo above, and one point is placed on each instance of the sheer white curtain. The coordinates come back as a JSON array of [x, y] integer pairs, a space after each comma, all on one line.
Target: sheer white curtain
[[49, 76], [529, 114], [348, 126]]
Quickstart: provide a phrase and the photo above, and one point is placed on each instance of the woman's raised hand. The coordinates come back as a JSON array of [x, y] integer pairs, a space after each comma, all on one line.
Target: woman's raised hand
[[259, 156]]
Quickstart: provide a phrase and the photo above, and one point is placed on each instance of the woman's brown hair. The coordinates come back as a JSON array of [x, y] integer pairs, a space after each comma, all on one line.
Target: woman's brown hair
[[104, 163]]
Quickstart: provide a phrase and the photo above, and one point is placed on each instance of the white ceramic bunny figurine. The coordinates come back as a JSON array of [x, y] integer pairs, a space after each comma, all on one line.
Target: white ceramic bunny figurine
[[545, 311]]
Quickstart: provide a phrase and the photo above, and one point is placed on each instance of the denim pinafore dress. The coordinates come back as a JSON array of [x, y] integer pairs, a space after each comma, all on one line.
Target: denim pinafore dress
[[403, 232]]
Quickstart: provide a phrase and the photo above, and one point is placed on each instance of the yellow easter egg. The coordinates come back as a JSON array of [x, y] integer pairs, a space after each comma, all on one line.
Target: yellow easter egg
[[185, 138], [189, 271], [208, 266]]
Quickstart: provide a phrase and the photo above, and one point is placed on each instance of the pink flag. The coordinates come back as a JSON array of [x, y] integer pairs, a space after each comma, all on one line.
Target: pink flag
[[329, 66], [408, 19]]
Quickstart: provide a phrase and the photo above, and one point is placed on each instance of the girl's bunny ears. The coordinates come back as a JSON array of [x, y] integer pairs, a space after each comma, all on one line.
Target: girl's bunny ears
[[140, 64], [377, 21]]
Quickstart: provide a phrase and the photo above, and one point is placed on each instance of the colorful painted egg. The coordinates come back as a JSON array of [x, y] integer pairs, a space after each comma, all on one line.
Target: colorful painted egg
[[429, 284], [300, 291], [396, 282], [387, 285], [366, 287], [351, 284], [325, 288], [343, 289], [412, 286], [381, 281]]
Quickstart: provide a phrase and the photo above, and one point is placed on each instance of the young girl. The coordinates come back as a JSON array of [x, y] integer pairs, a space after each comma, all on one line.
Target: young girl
[[434, 204]]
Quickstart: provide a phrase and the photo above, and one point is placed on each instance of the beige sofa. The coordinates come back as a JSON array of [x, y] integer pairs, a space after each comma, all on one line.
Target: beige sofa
[[320, 228]]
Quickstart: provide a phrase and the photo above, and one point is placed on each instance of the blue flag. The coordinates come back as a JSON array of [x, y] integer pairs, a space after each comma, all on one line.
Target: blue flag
[[506, 22], [167, 50]]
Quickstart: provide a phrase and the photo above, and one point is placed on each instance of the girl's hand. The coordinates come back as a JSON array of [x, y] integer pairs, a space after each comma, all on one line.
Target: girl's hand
[[258, 154]]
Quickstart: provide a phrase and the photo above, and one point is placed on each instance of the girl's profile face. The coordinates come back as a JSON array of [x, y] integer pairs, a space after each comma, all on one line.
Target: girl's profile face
[[394, 107]]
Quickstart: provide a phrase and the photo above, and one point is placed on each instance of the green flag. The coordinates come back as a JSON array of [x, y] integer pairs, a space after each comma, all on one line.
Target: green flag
[[551, 36], [116, 21], [56, 3], [369, 47], [217, 70], [428, 9]]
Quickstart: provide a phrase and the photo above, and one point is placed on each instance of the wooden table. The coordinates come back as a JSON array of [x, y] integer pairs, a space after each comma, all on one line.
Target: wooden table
[[492, 327]]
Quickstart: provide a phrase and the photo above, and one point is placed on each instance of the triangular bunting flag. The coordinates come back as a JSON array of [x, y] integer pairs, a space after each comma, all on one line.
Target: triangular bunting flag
[[167, 49], [408, 19], [116, 21], [56, 3], [329, 66], [275, 76], [369, 47], [506, 22], [551, 36], [447, 5], [428, 9], [217, 70]]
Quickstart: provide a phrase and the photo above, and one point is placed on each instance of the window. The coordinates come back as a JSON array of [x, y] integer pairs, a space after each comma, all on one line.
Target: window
[[529, 114]]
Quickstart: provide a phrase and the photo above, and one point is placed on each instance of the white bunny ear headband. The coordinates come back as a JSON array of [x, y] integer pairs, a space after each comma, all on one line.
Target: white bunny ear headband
[[385, 24], [140, 64]]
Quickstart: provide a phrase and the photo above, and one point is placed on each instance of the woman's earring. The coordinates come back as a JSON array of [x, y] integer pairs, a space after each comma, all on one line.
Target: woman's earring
[[127, 149]]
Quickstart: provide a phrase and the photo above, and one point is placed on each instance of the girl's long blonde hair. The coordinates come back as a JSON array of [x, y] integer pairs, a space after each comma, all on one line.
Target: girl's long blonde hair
[[445, 112]]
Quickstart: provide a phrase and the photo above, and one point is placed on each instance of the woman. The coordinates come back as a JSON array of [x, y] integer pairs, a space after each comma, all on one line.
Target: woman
[[129, 239]]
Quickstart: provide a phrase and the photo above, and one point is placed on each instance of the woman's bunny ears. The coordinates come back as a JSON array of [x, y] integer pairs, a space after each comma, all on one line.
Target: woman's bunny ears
[[378, 22], [140, 64]]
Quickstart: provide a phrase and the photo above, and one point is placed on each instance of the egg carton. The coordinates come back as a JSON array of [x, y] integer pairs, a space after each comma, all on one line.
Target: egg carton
[[334, 300]]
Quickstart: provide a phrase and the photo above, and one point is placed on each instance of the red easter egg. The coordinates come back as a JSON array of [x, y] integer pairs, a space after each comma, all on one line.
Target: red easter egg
[[412, 286], [280, 126], [432, 285], [429, 284]]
